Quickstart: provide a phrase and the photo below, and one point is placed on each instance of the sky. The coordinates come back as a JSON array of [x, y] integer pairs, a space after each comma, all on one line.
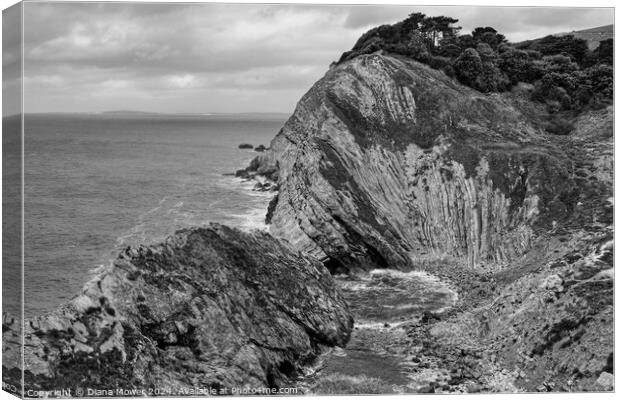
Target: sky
[[201, 58]]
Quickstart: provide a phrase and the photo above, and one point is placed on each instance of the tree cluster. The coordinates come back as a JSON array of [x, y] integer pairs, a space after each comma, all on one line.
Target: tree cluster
[[566, 75]]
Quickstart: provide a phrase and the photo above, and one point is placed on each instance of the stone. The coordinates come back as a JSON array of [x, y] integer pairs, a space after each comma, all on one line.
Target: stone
[[606, 381], [425, 389], [473, 388], [553, 283]]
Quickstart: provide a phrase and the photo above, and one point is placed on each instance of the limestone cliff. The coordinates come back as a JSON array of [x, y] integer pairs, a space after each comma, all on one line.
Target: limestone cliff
[[386, 159], [210, 307]]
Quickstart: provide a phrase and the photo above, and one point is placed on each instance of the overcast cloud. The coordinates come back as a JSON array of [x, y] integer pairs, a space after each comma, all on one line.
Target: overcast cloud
[[219, 57]]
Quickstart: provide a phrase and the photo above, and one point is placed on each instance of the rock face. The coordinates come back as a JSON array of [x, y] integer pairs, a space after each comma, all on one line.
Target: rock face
[[210, 307], [385, 159]]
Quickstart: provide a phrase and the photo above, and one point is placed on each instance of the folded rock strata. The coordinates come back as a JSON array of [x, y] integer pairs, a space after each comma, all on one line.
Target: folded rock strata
[[386, 159]]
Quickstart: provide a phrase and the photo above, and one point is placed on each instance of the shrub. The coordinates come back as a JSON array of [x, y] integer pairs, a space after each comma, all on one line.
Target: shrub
[[600, 78], [486, 52], [559, 63], [468, 66], [515, 64]]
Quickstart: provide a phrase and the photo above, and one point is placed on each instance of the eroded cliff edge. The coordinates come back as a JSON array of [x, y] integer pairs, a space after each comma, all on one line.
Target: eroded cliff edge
[[209, 308]]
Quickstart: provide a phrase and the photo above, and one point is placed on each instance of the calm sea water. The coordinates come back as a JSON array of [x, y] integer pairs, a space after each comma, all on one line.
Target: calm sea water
[[97, 183]]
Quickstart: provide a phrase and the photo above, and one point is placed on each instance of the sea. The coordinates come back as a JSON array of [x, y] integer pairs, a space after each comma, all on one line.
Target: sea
[[97, 183]]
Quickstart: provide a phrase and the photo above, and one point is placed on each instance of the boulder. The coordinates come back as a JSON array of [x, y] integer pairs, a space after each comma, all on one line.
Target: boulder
[[606, 381]]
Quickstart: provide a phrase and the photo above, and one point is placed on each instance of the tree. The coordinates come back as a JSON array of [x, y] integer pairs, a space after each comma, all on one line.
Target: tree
[[437, 28], [413, 22], [448, 47], [418, 47], [466, 41], [489, 36]]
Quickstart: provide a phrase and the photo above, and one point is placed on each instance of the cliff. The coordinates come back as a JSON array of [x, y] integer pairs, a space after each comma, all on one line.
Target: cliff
[[387, 163], [210, 307], [386, 159]]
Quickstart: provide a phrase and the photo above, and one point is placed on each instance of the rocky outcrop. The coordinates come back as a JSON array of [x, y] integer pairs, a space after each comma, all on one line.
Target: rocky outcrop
[[386, 159], [260, 168], [209, 307]]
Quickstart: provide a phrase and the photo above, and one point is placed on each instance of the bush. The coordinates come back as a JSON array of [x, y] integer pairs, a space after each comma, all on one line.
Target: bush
[[481, 74], [486, 52], [468, 66], [600, 80], [559, 63], [515, 64]]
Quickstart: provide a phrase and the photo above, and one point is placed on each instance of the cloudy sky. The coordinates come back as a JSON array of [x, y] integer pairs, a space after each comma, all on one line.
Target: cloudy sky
[[217, 57]]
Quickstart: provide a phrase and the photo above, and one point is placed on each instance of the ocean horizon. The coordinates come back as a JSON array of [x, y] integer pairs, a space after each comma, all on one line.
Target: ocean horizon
[[97, 183]]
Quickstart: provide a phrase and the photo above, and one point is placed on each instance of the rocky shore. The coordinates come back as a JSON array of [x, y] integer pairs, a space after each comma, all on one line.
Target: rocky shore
[[541, 326]]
